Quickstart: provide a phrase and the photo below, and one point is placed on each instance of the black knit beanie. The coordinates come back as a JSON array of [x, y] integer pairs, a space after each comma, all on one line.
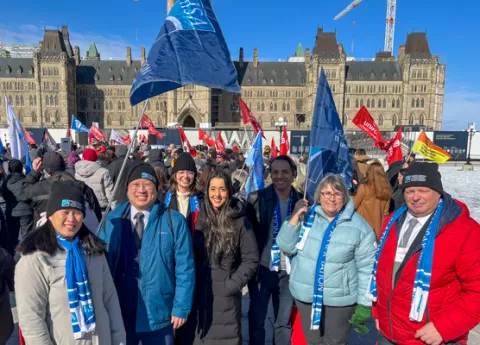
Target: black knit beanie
[[53, 162], [184, 162], [142, 171], [65, 194], [421, 174], [15, 166]]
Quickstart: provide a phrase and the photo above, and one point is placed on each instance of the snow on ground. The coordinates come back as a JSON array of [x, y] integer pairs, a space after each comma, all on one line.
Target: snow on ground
[[464, 186]]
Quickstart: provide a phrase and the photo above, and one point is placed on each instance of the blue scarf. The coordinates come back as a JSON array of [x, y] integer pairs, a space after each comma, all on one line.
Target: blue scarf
[[320, 274], [421, 287], [194, 204], [79, 298], [306, 227], [277, 223]]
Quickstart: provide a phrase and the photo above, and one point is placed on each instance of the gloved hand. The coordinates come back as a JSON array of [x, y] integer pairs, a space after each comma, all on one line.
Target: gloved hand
[[360, 317]]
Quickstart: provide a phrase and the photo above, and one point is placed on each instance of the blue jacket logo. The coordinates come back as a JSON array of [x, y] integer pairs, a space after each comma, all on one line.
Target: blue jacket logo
[[190, 15]]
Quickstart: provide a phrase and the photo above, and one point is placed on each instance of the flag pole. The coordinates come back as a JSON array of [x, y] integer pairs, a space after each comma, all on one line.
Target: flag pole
[[124, 164], [306, 177]]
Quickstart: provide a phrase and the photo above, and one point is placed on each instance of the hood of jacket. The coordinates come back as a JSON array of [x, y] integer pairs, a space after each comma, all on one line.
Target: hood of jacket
[[155, 155], [86, 168]]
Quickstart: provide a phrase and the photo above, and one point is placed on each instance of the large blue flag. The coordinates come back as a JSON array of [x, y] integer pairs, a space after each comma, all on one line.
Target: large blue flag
[[78, 126], [2, 148], [17, 138], [190, 49], [328, 146], [254, 162]]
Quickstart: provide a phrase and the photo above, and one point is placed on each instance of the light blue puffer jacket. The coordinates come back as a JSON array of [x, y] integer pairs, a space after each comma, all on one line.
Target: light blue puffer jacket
[[350, 258]]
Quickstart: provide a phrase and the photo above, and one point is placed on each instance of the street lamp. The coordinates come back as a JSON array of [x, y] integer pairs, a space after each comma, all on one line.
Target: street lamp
[[471, 132], [279, 125]]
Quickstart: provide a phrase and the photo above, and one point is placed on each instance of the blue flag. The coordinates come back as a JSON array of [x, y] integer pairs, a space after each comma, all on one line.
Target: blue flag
[[79, 126], [190, 49], [2, 148], [17, 137], [255, 163], [328, 146]]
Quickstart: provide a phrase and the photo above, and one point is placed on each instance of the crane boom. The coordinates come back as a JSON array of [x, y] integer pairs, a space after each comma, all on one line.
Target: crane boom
[[347, 9], [390, 25]]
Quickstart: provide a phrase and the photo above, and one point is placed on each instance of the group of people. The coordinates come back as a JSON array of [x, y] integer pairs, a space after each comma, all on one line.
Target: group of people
[[182, 244]]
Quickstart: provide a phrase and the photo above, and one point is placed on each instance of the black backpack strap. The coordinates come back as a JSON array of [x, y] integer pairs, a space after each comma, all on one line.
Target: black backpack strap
[[169, 212]]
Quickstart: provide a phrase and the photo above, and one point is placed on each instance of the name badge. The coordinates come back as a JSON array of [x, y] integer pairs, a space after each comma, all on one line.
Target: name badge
[[401, 253]]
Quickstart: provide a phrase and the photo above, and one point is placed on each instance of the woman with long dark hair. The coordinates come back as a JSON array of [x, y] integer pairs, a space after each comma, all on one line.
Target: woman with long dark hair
[[226, 257], [64, 290]]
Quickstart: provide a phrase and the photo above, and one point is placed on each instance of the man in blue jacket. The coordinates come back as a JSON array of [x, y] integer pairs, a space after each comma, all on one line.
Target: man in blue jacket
[[151, 260]]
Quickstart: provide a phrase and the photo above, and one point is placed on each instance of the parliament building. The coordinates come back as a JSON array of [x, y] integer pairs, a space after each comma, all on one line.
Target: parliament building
[[46, 89]]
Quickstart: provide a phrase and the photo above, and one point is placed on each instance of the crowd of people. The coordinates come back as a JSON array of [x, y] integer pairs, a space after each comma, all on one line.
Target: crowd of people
[[181, 243]]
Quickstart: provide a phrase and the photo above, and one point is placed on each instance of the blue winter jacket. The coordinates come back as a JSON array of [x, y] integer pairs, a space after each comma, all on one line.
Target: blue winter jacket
[[349, 262], [166, 279]]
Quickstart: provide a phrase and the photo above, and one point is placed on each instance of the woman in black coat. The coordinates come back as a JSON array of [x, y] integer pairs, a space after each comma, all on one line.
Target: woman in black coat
[[226, 257]]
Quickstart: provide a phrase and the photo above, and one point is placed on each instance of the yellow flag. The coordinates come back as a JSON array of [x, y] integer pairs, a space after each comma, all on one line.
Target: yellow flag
[[429, 150]]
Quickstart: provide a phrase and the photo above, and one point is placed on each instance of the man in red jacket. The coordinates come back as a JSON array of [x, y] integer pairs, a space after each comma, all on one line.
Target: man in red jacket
[[427, 269]]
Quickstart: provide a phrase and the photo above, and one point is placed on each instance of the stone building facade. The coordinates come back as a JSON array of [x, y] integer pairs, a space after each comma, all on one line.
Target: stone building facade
[[55, 83]]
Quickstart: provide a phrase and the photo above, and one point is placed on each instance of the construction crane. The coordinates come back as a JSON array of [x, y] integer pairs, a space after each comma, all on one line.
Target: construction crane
[[390, 21]]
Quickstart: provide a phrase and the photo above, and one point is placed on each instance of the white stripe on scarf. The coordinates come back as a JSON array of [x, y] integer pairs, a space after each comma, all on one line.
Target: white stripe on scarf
[[79, 298]]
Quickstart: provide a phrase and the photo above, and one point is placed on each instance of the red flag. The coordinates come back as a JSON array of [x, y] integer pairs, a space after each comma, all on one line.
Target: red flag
[[220, 144], [97, 133], [394, 148], [69, 134], [204, 137], [147, 123], [126, 139], [184, 139], [153, 130], [274, 152], [247, 117], [366, 123], [30, 139], [142, 137], [284, 146]]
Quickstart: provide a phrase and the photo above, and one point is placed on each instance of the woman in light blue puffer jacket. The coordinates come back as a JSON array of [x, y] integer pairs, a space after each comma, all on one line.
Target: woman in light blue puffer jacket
[[347, 263]]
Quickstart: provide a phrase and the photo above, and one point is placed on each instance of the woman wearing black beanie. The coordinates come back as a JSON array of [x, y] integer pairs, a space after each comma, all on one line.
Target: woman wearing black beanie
[[182, 196]]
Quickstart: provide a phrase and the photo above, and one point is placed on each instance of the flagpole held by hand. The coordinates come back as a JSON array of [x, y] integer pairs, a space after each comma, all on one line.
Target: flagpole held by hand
[[124, 164]]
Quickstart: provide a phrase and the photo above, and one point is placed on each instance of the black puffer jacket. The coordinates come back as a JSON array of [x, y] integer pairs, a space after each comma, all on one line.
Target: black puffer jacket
[[114, 169], [12, 188], [37, 192], [216, 314]]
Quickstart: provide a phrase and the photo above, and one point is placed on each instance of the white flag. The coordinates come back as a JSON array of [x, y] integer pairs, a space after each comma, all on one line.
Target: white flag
[[114, 136], [16, 134]]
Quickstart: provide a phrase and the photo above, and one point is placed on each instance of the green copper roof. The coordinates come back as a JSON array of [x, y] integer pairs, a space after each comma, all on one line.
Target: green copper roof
[[92, 51], [300, 52]]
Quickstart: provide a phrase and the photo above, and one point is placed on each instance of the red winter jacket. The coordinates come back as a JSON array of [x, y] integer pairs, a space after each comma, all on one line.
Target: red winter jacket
[[454, 298]]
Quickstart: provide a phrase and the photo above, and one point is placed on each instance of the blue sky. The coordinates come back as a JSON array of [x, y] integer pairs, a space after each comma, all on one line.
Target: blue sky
[[275, 27]]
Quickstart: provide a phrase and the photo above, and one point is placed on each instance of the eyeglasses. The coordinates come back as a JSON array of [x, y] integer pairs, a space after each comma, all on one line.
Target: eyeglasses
[[328, 195], [147, 186], [186, 173]]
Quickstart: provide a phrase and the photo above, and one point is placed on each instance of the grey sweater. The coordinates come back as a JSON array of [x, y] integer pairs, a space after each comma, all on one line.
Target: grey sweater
[[42, 301]]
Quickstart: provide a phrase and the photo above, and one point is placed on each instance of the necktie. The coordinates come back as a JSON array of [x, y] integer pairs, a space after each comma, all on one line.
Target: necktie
[[139, 227], [403, 244], [406, 236]]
